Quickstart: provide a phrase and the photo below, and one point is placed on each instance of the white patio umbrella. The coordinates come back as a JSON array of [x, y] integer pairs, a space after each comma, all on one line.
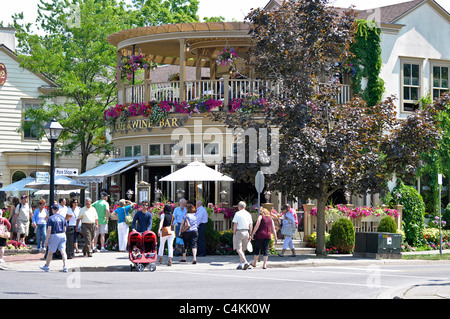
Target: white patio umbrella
[[61, 183], [19, 186], [196, 172]]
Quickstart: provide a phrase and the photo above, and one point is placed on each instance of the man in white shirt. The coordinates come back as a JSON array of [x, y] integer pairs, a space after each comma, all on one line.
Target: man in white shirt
[[202, 220], [62, 207], [242, 228]]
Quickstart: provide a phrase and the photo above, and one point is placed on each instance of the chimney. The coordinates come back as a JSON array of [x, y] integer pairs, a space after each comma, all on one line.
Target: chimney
[[8, 38]]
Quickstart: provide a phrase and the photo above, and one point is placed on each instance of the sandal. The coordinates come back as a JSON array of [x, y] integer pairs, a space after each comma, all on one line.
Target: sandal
[[182, 260], [169, 263]]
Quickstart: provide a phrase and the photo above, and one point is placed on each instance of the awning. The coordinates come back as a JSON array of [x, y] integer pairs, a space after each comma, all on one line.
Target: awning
[[113, 167]]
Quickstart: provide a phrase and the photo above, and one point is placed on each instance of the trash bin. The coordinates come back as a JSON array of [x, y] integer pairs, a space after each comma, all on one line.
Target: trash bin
[[70, 241]]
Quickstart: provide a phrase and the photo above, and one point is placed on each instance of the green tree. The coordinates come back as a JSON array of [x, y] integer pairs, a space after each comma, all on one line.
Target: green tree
[[73, 53]]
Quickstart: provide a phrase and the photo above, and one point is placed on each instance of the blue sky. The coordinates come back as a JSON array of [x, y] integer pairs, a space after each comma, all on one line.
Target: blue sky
[[234, 9]]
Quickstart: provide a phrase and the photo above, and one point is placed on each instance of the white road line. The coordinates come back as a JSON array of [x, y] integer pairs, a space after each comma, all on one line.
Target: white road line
[[280, 279]]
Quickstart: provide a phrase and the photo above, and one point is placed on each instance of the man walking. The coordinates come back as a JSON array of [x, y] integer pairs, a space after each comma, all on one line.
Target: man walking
[[89, 219], [56, 238], [102, 208], [202, 220], [242, 228]]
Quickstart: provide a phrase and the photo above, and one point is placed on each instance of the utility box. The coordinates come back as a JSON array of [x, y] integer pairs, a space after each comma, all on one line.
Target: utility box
[[378, 245]]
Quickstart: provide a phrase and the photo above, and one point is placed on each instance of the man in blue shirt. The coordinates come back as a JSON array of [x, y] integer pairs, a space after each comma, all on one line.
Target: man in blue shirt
[[178, 215], [144, 219], [56, 238], [202, 220]]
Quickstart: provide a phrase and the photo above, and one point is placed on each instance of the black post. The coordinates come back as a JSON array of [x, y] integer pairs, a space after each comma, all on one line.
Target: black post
[[52, 176]]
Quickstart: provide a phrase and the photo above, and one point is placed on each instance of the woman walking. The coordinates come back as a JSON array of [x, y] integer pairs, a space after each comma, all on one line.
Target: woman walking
[[191, 234], [166, 234], [40, 217], [263, 229], [288, 230]]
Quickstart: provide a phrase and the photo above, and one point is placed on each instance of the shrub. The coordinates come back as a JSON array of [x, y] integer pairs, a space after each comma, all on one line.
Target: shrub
[[212, 238], [387, 225], [342, 235], [413, 212]]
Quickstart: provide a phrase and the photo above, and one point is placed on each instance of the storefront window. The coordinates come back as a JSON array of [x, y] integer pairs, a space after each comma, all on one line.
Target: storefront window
[[154, 150]]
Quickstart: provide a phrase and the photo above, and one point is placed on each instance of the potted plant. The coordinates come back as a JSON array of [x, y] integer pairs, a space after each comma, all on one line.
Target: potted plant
[[227, 56]]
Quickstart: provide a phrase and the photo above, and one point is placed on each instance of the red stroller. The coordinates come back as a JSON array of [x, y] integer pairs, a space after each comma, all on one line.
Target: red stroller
[[142, 250]]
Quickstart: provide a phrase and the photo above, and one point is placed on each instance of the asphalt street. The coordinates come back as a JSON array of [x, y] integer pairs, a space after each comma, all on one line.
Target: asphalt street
[[325, 282]]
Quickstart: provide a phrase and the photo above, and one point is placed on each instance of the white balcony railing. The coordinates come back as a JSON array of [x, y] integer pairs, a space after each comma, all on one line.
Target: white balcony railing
[[223, 89]]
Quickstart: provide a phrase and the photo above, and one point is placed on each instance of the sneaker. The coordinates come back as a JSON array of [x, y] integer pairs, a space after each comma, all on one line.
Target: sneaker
[[239, 267], [65, 269], [45, 268], [103, 249], [2, 261], [246, 265]]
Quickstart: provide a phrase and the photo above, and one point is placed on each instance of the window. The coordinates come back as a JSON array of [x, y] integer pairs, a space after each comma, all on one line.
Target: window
[[440, 80], [168, 149], [193, 149], [211, 149], [30, 133], [154, 150], [137, 150], [131, 151], [128, 151], [411, 86]]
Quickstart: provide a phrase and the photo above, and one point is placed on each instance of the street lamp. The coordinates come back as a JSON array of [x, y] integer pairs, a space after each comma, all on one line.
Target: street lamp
[[52, 131]]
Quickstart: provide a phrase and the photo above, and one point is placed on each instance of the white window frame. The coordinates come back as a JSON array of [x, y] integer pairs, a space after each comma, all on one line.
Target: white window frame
[[25, 104], [419, 87], [160, 150], [441, 64]]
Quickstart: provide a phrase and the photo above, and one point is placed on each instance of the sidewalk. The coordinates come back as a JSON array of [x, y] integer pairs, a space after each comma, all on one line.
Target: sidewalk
[[118, 261]]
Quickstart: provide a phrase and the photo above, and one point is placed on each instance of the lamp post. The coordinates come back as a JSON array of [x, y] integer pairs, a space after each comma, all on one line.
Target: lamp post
[[52, 131]]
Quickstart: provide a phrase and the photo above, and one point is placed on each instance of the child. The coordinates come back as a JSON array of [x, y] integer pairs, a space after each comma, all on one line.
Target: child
[[136, 253]]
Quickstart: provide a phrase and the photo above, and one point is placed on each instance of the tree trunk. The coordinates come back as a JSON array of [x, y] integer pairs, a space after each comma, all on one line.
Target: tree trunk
[[321, 249]]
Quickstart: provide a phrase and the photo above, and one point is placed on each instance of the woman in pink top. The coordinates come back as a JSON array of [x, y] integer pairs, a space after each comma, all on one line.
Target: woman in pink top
[[264, 229]]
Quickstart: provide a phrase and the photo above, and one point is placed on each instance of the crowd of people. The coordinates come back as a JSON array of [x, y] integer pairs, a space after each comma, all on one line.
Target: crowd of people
[[184, 226]]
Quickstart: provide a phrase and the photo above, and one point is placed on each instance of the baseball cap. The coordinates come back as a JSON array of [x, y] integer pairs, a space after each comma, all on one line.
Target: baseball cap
[[24, 196]]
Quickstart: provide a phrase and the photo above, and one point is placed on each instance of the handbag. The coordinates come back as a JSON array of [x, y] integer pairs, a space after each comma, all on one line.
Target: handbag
[[167, 231], [185, 225], [288, 228], [4, 233]]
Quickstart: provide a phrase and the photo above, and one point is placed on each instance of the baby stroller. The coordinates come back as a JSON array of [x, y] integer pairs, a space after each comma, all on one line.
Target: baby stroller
[[142, 250]]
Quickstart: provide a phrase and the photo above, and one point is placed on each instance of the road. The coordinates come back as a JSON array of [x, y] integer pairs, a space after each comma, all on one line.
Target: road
[[352, 282]]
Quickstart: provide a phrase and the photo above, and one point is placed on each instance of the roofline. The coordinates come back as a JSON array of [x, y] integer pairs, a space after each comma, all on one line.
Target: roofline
[[432, 3], [13, 55]]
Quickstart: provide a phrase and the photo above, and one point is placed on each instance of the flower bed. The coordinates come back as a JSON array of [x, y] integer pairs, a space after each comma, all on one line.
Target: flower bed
[[363, 211], [12, 244]]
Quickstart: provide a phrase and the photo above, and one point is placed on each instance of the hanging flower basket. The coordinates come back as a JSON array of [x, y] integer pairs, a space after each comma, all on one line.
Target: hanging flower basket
[[227, 57], [131, 64]]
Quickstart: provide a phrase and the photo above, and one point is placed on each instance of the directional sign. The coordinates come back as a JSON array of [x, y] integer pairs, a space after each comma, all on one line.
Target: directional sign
[[66, 171], [42, 177]]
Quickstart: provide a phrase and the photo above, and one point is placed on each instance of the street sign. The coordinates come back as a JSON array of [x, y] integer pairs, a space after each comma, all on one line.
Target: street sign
[[259, 181], [42, 177], [259, 184], [66, 171]]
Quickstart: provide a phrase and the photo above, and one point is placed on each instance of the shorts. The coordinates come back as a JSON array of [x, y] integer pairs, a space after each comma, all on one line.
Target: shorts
[[102, 229], [57, 242], [190, 239], [240, 239], [3, 242], [22, 228]]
